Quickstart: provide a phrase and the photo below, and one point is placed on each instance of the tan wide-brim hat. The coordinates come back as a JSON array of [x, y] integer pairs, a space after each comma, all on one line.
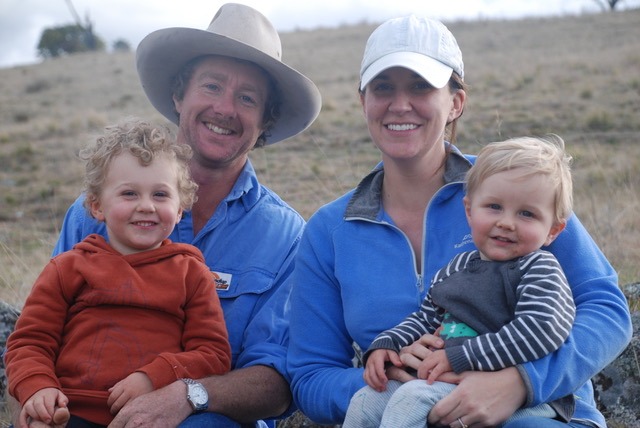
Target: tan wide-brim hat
[[236, 31]]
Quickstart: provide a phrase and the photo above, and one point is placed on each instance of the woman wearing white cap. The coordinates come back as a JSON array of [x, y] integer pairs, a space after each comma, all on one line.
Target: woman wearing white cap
[[365, 259]]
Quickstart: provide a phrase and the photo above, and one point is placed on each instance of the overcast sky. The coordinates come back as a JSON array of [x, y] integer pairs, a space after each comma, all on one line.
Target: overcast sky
[[22, 21]]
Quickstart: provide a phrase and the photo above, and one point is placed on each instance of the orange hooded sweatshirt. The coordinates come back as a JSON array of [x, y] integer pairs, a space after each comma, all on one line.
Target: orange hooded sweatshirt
[[94, 316]]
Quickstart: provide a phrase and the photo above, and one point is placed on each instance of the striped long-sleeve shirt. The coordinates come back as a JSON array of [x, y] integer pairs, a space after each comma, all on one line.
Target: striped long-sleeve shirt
[[493, 314]]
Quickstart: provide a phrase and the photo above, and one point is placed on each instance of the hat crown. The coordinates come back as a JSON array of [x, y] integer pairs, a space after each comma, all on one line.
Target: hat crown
[[248, 26], [419, 35]]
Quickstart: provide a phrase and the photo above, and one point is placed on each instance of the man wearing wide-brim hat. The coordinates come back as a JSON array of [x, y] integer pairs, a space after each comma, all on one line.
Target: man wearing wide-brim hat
[[227, 90]]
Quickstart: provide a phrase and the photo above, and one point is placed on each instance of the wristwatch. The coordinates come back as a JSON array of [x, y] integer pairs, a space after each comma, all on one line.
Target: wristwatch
[[197, 395]]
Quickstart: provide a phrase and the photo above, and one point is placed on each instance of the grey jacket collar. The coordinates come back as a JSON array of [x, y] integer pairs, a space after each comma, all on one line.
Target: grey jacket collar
[[366, 199]]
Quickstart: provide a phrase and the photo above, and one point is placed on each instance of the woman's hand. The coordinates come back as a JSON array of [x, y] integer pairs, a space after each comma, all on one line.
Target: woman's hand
[[481, 398]]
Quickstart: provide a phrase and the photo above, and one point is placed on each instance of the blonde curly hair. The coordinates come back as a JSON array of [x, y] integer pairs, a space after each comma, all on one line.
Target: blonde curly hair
[[143, 140]]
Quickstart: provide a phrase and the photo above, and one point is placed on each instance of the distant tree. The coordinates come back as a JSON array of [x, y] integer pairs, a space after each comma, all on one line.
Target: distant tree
[[608, 4], [71, 38], [68, 39], [121, 45]]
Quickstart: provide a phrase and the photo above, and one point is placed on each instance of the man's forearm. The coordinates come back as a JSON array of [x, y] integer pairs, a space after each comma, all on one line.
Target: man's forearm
[[245, 395], [248, 394]]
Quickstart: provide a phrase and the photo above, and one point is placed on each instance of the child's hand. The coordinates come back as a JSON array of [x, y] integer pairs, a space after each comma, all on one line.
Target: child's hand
[[127, 389], [374, 372], [435, 364], [48, 405]]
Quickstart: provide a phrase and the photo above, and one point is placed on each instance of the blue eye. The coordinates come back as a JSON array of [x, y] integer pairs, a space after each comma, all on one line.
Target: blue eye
[[247, 99]]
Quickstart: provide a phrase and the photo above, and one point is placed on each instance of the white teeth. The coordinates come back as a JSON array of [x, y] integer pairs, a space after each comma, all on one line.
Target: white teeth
[[145, 223], [217, 129], [403, 127]]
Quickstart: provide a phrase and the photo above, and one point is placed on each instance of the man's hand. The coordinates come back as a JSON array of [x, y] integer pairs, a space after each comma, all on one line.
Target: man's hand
[[244, 395], [164, 407]]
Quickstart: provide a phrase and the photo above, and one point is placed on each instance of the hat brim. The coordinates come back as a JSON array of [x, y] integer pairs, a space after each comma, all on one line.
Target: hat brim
[[431, 70], [162, 54]]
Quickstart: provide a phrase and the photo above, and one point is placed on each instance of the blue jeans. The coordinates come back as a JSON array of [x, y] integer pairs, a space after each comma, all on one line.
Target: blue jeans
[[202, 420], [408, 405], [216, 420], [537, 422]]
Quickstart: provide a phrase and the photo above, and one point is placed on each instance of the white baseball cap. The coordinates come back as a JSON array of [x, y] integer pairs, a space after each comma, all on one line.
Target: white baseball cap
[[422, 45]]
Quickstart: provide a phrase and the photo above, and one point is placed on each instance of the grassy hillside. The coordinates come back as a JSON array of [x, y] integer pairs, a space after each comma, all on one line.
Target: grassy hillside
[[577, 77]]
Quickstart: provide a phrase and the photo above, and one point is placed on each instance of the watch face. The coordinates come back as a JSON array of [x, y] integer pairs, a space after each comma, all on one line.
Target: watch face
[[199, 395]]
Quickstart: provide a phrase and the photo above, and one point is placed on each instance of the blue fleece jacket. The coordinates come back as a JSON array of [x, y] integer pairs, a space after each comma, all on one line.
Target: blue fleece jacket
[[355, 277]]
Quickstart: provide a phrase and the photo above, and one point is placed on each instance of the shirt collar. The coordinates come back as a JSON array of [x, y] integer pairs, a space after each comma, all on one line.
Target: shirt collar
[[366, 200], [246, 188]]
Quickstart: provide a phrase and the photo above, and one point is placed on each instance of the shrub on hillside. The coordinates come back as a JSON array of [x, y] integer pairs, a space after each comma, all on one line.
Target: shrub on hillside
[[68, 39]]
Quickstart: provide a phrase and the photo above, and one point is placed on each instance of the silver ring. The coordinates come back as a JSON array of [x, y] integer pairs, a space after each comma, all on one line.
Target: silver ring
[[462, 424]]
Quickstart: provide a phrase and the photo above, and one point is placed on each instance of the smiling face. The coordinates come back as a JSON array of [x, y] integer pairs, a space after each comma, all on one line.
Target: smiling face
[[406, 115], [511, 215], [222, 110], [140, 205]]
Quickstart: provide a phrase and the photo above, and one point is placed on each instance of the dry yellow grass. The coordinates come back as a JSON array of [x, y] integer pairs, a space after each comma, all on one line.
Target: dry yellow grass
[[576, 77]]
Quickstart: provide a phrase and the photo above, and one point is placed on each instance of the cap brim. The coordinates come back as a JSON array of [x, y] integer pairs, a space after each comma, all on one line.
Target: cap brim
[[433, 71], [161, 55]]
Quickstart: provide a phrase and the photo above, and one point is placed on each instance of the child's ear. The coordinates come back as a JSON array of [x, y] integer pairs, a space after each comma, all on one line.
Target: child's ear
[[179, 217], [96, 210], [467, 207], [554, 232]]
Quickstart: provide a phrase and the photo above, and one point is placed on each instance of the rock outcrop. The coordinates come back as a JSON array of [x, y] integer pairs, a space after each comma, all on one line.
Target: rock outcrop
[[617, 386]]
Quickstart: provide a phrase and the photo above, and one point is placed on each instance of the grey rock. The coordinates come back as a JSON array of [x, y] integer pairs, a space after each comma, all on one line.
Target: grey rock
[[8, 317], [617, 386]]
